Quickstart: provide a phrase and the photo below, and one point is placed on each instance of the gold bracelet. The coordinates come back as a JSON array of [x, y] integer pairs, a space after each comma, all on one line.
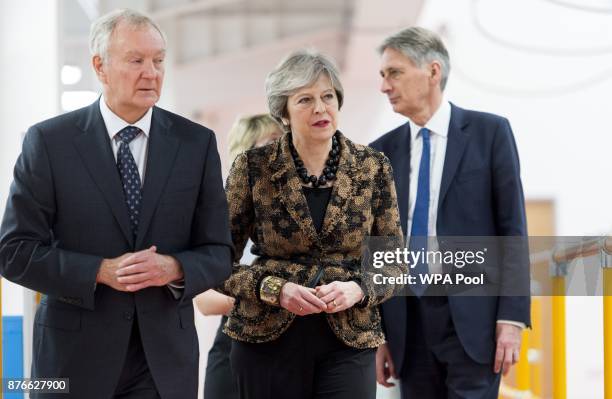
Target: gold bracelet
[[270, 289]]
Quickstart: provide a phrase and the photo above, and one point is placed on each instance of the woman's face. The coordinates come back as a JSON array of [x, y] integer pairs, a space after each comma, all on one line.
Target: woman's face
[[313, 112]]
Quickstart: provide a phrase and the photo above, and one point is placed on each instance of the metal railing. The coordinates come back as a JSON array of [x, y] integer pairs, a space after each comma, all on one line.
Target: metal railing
[[558, 260]]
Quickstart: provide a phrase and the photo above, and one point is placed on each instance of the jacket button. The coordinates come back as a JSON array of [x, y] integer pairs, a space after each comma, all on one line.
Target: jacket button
[[128, 315]]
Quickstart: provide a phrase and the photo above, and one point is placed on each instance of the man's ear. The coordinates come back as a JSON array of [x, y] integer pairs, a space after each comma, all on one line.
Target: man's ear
[[435, 70], [99, 67]]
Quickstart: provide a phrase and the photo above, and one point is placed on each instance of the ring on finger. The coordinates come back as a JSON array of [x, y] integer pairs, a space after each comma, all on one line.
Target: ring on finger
[[301, 308], [334, 302]]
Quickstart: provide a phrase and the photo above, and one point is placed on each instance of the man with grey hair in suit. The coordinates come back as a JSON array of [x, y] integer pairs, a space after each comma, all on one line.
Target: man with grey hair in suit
[[118, 216], [457, 174]]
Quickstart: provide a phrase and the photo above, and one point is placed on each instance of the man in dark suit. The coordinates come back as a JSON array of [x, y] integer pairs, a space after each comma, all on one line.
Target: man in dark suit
[[117, 215], [457, 174]]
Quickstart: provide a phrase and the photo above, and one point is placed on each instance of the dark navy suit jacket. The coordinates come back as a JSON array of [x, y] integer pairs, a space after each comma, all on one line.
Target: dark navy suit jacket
[[480, 195], [66, 212]]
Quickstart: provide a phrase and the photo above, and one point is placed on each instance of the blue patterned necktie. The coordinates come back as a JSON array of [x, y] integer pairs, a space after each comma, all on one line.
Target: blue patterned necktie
[[130, 178], [420, 217]]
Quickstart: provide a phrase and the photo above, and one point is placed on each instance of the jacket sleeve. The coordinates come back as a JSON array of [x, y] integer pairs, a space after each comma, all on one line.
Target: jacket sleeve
[[510, 220], [208, 262], [29, 255], [245, 279], [386, 224]]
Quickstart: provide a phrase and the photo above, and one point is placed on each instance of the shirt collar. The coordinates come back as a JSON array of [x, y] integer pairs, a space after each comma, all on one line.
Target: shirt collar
[[437, 124], [114, 124]]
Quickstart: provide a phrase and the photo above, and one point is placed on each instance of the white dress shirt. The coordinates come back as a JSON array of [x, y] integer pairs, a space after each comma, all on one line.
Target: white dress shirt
[[138, 146], [438, 126]]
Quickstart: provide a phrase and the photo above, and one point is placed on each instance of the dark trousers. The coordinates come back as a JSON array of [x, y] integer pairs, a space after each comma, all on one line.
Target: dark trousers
[[306, 362], [436, 365], [136, 381], [219, 382]]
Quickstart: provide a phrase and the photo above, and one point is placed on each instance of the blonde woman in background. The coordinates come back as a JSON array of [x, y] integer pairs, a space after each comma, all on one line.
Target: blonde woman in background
[[246, 133], [252, 132]]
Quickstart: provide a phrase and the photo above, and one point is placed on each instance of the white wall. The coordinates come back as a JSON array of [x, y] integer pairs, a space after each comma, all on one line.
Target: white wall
[[29, 80], [557, 104]]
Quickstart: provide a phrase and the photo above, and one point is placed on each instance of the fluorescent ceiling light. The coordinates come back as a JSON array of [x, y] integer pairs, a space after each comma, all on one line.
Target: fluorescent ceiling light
[[71, 74]]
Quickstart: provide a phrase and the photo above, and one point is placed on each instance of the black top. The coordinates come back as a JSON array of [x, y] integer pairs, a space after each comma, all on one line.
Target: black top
[[317, 199]]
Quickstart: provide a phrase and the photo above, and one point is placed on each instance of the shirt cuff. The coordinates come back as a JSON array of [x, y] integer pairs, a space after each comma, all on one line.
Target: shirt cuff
[[177, 284], [518, 324], [176, 288]]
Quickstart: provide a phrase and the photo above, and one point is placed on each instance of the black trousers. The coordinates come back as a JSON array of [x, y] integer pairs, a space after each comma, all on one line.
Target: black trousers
[[136, 381], [306, 362], [219, 382], [436, 365]]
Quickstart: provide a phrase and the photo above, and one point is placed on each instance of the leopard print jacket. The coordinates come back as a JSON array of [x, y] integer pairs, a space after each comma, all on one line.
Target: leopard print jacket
[[267, 205]]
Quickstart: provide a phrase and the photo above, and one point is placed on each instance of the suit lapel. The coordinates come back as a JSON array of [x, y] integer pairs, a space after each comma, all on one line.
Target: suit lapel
[[162, 150], [457, 140], [96, 153], [399, 155]]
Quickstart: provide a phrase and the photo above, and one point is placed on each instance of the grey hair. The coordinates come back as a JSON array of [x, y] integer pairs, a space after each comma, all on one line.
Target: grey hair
[[102, 29], [299, 69], [420, 46]]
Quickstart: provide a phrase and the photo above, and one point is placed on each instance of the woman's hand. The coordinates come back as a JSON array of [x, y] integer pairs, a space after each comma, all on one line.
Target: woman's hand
[[300, 300], [339, 295]]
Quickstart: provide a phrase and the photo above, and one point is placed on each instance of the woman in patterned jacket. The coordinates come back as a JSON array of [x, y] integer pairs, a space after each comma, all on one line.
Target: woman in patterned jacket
[[305, 320]]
